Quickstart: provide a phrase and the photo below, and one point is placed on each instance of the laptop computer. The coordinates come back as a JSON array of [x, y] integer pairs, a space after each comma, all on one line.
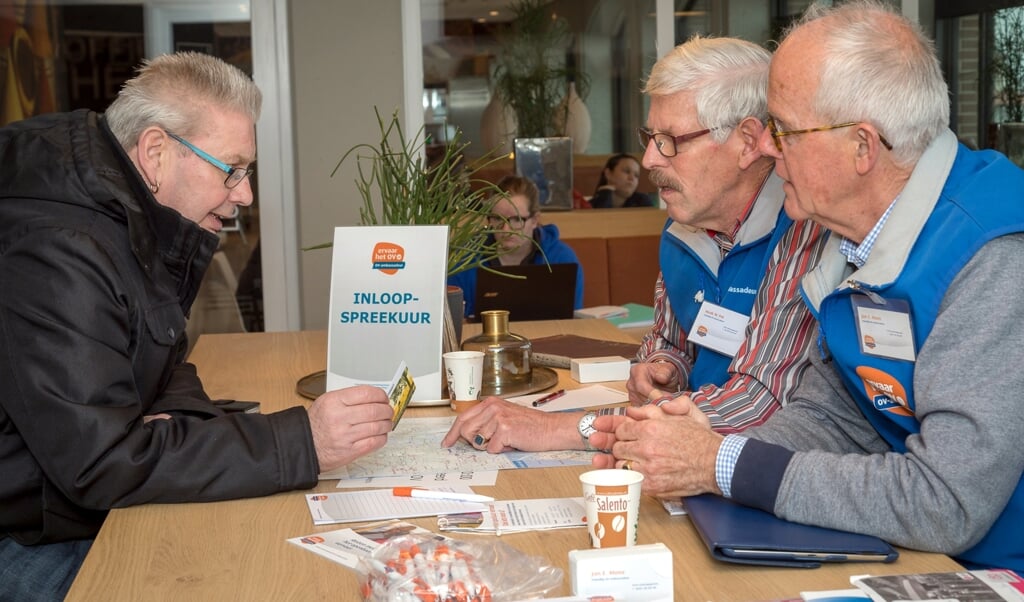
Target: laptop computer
[[735, 533], [547, 292]]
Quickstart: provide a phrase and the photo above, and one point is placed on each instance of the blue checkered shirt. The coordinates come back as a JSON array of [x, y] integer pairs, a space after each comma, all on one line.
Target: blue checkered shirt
[[858, 254]]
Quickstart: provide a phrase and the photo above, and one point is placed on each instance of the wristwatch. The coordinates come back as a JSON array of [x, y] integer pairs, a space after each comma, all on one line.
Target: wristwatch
[[586, 429]]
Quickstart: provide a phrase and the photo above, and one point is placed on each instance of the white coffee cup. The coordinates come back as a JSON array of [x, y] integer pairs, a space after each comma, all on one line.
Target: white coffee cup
[[612, 501], [464, 371]]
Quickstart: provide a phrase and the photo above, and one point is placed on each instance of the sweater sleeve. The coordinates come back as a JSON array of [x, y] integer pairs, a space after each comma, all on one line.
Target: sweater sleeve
[[955, 478]]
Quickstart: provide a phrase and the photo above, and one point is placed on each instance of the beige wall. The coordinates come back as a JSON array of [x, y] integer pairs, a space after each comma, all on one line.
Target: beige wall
[[346, 58]]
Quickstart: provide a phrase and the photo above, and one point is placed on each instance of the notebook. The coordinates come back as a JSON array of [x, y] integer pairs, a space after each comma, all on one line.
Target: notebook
[[546, 293], [735, 533]]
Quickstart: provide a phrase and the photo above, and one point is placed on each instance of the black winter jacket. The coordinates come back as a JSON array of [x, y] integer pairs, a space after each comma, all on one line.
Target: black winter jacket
[[96, 279]]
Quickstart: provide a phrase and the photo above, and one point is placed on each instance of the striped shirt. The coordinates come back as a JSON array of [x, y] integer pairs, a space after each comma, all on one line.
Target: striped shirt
[[770, 362]]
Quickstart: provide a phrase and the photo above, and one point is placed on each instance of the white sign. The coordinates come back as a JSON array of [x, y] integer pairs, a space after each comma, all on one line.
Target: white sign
[[387, 306]]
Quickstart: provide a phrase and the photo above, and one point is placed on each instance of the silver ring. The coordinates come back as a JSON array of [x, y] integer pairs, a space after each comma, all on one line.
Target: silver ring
[[479, 440]]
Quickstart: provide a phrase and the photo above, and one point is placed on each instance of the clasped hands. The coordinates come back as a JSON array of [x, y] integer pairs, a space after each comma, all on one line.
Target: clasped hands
[[671, 444]]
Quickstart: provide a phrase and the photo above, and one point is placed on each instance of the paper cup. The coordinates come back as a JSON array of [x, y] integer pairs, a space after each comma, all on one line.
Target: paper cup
[[465, 371], [612, 500]]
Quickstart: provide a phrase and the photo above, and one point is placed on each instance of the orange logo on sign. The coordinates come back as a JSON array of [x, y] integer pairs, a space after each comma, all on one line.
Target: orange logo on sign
[[388, 257], [702, 331], [885, 392], [869, 341]]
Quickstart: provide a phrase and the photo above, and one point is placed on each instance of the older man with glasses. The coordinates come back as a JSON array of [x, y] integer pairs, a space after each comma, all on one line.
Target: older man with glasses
[[726, 243], [107, 224], [908, 424]]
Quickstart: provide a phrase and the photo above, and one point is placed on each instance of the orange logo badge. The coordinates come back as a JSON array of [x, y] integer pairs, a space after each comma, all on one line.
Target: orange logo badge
[[885, 392], [388, 257]]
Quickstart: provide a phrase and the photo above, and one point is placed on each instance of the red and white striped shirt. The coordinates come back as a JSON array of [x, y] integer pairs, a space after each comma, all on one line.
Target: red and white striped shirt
[[780, 336]]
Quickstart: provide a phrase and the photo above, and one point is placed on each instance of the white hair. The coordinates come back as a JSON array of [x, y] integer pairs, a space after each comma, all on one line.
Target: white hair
[[175, 91], [728, 78]]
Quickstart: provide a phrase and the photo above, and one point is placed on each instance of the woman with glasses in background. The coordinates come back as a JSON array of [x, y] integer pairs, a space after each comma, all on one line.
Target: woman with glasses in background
[[515, 224]]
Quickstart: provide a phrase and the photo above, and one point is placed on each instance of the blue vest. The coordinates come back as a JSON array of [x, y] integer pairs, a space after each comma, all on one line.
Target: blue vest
[[965, 217], [693, 271]]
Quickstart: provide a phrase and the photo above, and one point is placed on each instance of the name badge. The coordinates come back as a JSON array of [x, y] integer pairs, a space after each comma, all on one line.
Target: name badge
[[884, 329], [719, 329]]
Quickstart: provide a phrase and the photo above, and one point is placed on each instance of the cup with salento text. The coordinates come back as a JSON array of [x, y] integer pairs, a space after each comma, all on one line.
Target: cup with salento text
[[464, 371], [612, 501]]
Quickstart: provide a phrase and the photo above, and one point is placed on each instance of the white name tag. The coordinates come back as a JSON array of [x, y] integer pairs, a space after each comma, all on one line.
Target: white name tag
[[719, 329], [884, 330]]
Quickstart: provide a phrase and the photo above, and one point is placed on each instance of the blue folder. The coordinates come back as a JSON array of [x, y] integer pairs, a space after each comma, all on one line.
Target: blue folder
[[746, 535]]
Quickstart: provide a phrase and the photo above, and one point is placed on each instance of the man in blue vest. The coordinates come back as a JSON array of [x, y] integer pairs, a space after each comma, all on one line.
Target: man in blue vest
[[701, 142], [908, 425]]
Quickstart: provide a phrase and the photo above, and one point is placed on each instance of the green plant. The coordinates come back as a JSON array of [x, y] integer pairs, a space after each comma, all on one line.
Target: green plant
[[400, 186], [1008, 63], [531, 75]]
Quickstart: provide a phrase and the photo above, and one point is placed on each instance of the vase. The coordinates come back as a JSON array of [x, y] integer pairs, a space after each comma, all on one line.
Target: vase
[[506, 355], [573, 117], [497, 126]]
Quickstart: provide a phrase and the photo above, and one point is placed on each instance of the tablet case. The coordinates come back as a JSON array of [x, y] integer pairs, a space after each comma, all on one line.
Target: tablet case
[[726, 526]]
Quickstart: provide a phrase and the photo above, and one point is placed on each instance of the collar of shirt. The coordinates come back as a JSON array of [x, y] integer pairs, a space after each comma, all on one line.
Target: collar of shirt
[[858, 254], [724, 240]]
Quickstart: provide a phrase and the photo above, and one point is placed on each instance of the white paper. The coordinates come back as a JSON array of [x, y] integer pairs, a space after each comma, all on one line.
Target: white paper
[[378, 504], [485, 478], [347, 546], [416, 449], [518, 515], [575, 399]]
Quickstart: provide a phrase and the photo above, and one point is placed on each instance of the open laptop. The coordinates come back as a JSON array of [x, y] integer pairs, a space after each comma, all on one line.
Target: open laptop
[[548, 292]]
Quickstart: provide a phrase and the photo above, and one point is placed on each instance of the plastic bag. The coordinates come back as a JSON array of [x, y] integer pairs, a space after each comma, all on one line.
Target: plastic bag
[[433, 568]]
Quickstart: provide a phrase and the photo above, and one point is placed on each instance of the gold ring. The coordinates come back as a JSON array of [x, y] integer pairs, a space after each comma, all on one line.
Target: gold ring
[[627, 465]]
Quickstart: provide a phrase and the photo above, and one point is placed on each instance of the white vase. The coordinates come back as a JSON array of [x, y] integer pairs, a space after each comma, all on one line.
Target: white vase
[[576, 119], [497, 126]]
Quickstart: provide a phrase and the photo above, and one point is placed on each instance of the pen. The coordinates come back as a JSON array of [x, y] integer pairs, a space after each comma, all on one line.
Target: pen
[[439, 495], [548, 397]]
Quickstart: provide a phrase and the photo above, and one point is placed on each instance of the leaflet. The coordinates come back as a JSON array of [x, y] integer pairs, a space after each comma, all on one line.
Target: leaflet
[[518, 515]]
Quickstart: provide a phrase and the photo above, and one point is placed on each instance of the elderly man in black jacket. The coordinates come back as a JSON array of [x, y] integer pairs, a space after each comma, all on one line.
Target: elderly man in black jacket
[[107, 224]]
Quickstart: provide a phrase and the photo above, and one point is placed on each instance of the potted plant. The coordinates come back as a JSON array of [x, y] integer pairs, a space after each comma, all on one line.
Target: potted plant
[[400, 184], [532, 76], [1008, 68]]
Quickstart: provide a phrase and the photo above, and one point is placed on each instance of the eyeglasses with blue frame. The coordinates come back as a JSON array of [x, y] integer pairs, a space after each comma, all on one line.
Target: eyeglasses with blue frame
[[235, 174]]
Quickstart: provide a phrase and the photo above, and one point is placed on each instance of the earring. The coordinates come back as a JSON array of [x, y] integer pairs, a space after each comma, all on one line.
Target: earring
[[155, 188]]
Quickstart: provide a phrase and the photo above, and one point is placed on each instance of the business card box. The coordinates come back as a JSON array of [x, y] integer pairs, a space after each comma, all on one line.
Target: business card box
[[637, 573], [598, 369]]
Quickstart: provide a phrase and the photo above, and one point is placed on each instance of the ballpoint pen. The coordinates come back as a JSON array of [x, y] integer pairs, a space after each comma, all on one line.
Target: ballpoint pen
[[548, 397], [439, 495]]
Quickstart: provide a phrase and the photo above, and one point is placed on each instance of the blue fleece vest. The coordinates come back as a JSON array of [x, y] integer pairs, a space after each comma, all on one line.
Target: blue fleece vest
[[689, 280], [966, 216]]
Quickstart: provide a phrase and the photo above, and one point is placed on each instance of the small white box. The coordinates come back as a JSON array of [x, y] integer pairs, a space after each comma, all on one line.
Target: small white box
[[597, 369], [638, 573]]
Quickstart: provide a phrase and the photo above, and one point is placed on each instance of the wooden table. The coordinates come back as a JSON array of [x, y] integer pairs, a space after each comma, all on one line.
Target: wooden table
[[237, 550]]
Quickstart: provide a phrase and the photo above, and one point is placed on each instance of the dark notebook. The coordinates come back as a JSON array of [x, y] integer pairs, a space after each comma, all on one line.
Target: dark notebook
[[736, 533], [546, 292], [559, 350]]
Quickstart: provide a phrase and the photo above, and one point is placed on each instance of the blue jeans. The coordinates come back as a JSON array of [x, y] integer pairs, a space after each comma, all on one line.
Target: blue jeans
[[39, 573]]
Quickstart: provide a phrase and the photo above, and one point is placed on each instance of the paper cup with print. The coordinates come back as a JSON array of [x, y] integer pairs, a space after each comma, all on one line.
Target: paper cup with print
[[464, 371], [612, 500]]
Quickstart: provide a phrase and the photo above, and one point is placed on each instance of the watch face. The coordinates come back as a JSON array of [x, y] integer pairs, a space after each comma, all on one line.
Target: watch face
[[586, 425]]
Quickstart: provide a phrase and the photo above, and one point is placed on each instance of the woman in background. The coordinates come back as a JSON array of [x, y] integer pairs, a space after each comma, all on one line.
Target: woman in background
[[617, 186], [515, 224]]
